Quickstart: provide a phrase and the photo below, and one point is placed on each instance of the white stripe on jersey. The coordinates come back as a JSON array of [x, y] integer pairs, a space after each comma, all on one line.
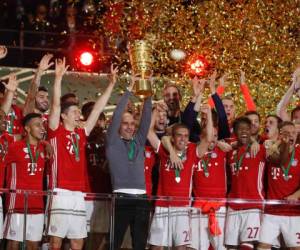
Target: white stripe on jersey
[[53, 142], [260, 178]]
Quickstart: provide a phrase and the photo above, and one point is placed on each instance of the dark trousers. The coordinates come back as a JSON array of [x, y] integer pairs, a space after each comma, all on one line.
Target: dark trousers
[[132, 210]]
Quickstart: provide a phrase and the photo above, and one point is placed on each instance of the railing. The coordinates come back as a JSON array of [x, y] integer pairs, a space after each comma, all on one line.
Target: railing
[[104, 213]]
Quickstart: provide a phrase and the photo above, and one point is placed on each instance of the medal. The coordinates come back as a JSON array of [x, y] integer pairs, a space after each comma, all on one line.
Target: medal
[[77, 158], [294, 163], [287, 169], [247, 155], [177, 179], [213, 155], [238, 162], [177, 175], [206, 174]]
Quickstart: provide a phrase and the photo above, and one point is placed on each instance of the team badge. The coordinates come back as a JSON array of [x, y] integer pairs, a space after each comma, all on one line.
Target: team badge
[[294, 162], [214, 155], [247, 155]]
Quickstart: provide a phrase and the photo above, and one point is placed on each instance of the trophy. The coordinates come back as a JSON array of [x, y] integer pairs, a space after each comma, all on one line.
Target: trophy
[[141, 62]]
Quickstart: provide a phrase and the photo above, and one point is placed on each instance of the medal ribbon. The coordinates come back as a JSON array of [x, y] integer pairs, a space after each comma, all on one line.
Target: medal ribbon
[[177, 171], [33, 160], [287, 169], [205, 164], [11, 124], [75, 144], [238, 162], [131, 151]]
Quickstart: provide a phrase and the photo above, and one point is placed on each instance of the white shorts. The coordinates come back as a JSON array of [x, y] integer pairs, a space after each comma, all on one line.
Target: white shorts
[[98, 216], [14, 227], [201, 237], [274, 225], [242, 226], [170, 227], [67, 215]]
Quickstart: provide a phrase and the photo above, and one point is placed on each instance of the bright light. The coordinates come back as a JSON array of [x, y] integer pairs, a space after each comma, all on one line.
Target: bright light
[[86, 58], [197, 65]]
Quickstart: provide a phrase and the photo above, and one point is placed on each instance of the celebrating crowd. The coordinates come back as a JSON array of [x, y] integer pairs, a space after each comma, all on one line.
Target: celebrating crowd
[[218, 183]]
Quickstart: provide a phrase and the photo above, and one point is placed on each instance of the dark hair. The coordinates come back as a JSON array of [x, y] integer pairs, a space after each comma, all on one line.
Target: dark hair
[[240, 120], [177, 126], [27, 118], [278, 119], [66, 105], [286, 123], [172, 85], [42, 88], [2, 88], [87, 109], [253, 112], [297, 108], [65, 97]]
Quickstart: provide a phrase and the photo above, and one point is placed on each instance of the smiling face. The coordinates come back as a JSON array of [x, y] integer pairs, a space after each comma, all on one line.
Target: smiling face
[[127, 127], [35, 129], [243, 133], [180, 138], [71, 116], [172, 98], [42, 101]]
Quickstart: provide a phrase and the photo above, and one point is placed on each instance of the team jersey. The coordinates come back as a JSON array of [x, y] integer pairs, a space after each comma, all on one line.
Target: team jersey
[[98, 177], [246, 174], [68, 171], [25, 173], [279, 186], [176, 186], [209, 179], [150, 160], [5, 140], [14, 120]]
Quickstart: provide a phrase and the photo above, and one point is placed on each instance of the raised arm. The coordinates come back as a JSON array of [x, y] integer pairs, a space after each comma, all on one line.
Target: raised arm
[[113, 129], [220, 89], [54, 116], [152, 137], [35, 83], [11, 88], [189, 116], [101, 102], [204, 143], [281, 109], [223, 127], [250, 105]]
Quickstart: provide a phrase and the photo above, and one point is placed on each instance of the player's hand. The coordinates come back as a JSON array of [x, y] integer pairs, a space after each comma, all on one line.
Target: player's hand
[[113, 74], [60, 67], [242, 77], [12, 84], [45, 63], [175, 161], [3, 52], [224, 146]]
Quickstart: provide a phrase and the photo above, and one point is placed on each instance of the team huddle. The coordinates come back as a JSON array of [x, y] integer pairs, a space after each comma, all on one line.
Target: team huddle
[[218, 182]]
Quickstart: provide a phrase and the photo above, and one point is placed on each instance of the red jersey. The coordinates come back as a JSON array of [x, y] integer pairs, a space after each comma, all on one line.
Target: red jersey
[[25, 173], [98, 177], [246, 176], [5, 140], [68, 169], [209, 180], [177, 187], [14, 120], [150, 160], [279, 186]]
